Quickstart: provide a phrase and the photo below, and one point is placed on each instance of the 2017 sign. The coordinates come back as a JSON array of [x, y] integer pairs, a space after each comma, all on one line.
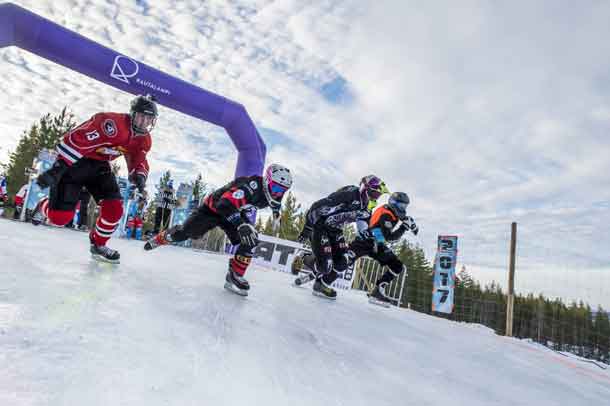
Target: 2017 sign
[[444, 274]]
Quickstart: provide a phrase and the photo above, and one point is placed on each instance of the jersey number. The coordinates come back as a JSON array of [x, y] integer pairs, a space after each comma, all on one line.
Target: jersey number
[[92, 135]]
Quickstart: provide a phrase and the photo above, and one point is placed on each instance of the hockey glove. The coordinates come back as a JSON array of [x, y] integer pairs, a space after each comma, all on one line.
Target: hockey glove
[[248, 235], [141, 197], [364, 234], [139, 181], [53, 175], [409, 224]]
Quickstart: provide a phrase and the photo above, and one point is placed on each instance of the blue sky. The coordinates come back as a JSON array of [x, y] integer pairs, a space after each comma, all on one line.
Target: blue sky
[[484, 113]]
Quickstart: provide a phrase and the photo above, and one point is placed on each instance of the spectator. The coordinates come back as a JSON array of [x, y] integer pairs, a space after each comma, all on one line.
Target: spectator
[[20, 200], [3, 194], [165, 203]]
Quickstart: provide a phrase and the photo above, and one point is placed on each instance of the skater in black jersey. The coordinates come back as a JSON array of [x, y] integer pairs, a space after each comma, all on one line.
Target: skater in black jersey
[[323, 227], [226, 208]]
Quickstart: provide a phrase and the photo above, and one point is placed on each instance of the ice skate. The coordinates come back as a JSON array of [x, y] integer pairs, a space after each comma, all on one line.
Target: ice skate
[[322, 290], [104, 254], [236, 283], [378, 296], [163, 238]]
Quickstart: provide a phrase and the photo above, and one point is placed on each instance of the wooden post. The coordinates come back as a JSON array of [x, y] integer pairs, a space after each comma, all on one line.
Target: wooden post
[[363, 275], [511, 281], [402, 286], [356, 280]]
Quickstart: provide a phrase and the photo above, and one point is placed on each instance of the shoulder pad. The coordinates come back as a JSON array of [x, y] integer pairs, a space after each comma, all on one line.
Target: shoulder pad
[[349, 188]]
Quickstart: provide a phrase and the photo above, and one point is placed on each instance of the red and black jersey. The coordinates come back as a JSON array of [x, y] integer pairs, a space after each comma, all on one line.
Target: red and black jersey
[[385, 220], [233, 200], [105, 137]]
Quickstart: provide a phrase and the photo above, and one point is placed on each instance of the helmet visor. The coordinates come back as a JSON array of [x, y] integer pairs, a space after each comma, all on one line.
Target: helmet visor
[[401, 206], [277, 191], [374, 194]]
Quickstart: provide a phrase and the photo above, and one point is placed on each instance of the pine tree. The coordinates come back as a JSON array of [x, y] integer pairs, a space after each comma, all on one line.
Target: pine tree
[[200, 188], [148, 220], [589, 331], [289, 229], [268, 229], [602, 335], [299, 222], [465, 278], [259, 224], [165, 178], [44, 134], [149, 214], [463, 283]]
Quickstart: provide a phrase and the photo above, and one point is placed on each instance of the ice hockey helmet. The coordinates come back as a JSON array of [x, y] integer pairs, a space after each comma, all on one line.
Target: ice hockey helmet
[[276, 181], [147, 106]]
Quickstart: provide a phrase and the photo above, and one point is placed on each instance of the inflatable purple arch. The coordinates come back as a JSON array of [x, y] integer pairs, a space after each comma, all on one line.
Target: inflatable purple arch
[[26, 30]]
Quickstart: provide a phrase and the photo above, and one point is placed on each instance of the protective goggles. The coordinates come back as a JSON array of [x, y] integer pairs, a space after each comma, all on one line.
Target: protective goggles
[[374, 194], [401, 207], [277, 190]]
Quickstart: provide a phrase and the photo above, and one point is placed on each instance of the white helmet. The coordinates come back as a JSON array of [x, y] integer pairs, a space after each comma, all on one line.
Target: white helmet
[[276, 181]]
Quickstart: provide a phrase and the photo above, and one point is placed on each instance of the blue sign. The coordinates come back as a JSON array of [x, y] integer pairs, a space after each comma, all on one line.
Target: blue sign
[[42, 163], [185, 204]]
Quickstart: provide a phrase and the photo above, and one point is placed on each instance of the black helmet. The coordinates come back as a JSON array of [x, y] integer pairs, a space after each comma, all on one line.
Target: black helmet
[[145, 105], [398, 203]]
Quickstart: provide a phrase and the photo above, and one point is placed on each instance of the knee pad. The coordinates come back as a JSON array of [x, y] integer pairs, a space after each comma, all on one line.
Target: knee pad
[[341, 264], [341, 259], [324, 265], [111, 210]]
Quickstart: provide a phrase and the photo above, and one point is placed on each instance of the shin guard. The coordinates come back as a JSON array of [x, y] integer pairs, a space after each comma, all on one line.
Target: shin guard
[[110, 216], [239, 263]]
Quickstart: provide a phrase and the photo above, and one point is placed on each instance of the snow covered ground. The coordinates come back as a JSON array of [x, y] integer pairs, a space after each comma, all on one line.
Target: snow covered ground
[[159, 329]]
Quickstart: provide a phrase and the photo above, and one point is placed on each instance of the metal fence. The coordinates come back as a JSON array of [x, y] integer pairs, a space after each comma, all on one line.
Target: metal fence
[[368, 271]]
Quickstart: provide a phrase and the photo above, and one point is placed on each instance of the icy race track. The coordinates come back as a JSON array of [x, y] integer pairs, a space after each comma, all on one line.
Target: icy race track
[[159, 329]]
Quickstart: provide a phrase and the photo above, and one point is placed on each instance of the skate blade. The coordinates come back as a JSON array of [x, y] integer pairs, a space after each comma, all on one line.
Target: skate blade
[[322, 295], [298, 284], [374, 301], [234, 289], [100, 258], [302, 281]]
